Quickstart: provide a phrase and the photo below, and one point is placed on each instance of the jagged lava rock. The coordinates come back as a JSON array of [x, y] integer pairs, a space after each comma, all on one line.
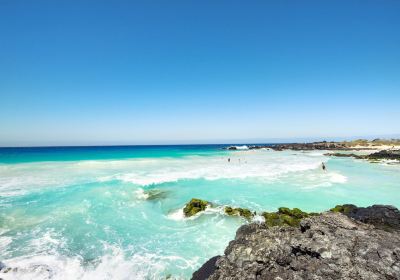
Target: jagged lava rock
[[385, 217], [327, 246]]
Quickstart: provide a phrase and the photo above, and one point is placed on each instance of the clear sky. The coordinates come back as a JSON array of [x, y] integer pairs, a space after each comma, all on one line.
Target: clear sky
[[130, 72]]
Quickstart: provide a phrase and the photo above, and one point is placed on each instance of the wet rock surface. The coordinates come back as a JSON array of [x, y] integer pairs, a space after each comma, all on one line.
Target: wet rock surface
[[243, 212], [195, 206], [332, 245]]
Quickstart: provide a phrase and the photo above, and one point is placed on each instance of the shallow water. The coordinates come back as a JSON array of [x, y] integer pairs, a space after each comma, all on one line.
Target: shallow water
[[116, 212]]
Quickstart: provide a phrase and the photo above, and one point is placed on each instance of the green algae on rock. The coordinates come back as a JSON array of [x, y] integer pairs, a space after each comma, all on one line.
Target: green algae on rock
[[344, 209], [195, 206], [243, 212], [285, 216]]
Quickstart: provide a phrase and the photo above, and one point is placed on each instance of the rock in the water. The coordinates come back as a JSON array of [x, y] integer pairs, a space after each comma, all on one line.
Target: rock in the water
[[156, 194], [385, 217], [195, 206], [385, 154], [345, 155], [328, 246], [243, 212]]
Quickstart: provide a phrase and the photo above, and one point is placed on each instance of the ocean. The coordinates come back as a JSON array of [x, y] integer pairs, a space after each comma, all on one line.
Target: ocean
[[116, 212]]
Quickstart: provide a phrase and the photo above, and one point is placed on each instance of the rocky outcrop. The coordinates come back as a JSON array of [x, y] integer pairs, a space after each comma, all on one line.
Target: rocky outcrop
[[311, 146], [207, 269], [345, 155], [195, 206], [285, 216], [360, 144], [331, 245], [384, 217], [384, 154], [243, 212]]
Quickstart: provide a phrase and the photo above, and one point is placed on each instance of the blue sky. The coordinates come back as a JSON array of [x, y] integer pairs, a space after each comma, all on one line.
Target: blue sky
[[137, 72]]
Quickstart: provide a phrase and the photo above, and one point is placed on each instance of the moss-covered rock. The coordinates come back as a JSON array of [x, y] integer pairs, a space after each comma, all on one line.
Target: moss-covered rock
[[344, 209], [295, 212], [195, 206], [285, 216], [243, 212]]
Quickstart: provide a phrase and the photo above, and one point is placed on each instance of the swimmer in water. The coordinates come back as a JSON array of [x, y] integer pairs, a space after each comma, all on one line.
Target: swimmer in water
[[323, 167]]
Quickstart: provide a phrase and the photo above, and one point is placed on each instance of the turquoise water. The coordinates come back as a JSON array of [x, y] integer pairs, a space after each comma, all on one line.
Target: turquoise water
[[86, 213]]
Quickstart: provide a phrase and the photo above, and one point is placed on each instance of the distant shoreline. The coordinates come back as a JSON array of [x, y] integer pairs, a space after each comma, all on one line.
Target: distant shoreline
[[217, 143], [356, 145]]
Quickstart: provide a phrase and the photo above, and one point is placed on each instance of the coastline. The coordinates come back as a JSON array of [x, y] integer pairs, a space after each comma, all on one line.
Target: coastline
[[346, 242]]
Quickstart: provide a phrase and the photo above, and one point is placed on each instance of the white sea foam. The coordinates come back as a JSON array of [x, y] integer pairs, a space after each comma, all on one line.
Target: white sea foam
[[258, 219], [243, 147], [22, 178], [321, 179], [113, 265], [337, 178], [4, 242], [176, 215], [140, 194]]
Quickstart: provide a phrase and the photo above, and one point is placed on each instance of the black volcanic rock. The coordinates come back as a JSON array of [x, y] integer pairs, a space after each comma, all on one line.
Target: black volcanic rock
[[385, 217], [327, 246], [345, 155], [386, 154], [206, 270]]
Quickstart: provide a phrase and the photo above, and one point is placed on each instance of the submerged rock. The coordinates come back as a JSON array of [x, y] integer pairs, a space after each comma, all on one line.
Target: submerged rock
[[156, 194], [345, 155], [195, 206], [243, 212], [327, 246]]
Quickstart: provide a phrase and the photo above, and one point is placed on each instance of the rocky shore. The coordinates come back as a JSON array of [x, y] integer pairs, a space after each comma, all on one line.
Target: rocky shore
[[387, 149], [347, 242], [355, 145], [381, 155]]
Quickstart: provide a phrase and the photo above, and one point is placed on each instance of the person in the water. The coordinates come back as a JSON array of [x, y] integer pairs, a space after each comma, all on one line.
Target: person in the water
[[323, 167]]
